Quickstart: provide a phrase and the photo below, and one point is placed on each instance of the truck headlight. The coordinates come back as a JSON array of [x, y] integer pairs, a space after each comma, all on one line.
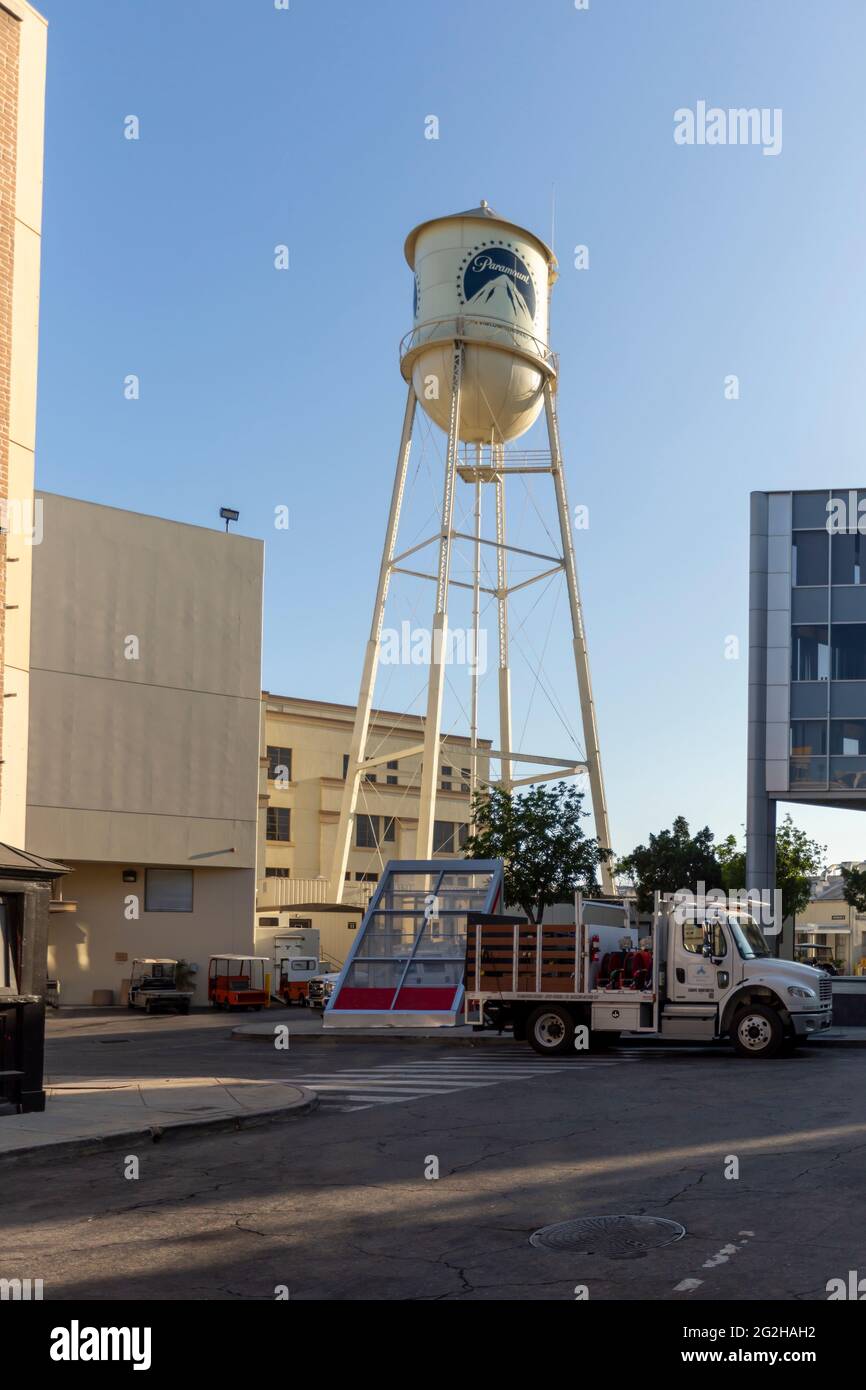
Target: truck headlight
[[801, 992]]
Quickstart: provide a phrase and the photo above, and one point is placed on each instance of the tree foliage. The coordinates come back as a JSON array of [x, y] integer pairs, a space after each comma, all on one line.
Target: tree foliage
[[674, 859], [537, 834], [854, 888]]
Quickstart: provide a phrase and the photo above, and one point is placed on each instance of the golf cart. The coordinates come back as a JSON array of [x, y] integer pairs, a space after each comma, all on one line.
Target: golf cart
[[153, 986], [237, 982]]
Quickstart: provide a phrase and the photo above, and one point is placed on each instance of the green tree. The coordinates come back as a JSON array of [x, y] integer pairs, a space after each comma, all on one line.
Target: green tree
[[538, 836], [732, 860], [798, 861], [854, 888], [673, 860]]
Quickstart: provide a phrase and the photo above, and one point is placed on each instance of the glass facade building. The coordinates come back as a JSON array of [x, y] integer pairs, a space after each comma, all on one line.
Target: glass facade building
[[807, 659]]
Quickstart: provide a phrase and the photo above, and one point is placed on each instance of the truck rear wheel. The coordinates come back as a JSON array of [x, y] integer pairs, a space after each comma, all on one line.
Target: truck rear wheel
[[757, 1032], [550, 1030]]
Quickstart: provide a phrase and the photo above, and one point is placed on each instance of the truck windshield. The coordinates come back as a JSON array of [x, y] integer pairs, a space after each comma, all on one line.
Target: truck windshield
[[749, 938]]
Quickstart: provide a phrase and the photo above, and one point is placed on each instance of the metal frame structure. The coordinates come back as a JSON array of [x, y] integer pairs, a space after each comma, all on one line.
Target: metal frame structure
[[438, 870], [491, 470]]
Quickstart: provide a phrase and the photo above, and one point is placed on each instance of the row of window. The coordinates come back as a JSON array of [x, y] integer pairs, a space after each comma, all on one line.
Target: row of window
[[820, 653], [817, 558], [809, 737], [371, 832], [280, 771]]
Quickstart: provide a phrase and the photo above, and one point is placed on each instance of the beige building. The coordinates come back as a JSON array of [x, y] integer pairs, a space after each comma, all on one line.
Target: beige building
[[23, 41], [304, 757], [144, 739], [829, 930]]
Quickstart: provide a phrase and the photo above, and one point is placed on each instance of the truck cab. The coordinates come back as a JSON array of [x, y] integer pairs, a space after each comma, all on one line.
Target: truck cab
[[718, 978]]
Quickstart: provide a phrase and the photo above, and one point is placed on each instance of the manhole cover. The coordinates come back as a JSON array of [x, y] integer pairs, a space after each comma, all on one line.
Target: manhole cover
[[617, 1237]]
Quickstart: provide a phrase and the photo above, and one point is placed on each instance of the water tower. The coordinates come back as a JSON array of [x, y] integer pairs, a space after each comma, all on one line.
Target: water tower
[[478, 362]]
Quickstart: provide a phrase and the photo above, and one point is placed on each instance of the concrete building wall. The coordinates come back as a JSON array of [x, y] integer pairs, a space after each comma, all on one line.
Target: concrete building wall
[[146, 652], [144, 734], [93, 947], [23, 43]]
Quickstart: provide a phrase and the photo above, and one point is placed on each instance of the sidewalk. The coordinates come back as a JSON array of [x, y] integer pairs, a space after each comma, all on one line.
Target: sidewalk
[[87, 1116]]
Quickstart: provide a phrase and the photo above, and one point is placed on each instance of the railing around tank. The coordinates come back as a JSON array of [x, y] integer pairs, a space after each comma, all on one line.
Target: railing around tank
[[460, 328]]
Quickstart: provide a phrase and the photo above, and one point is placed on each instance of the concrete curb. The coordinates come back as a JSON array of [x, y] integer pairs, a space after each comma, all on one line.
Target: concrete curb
[[105, 1143]]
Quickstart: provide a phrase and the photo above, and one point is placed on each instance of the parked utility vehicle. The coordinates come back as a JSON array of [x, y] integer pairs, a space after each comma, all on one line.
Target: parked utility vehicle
[[237, 982], [296, 963], [153, 986], [704, 975]]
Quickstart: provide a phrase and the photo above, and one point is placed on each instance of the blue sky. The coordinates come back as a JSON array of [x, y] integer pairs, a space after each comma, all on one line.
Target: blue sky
[[262, 388]]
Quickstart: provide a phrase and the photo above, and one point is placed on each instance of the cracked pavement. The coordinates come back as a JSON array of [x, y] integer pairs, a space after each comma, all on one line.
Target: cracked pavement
[[337, 1206]]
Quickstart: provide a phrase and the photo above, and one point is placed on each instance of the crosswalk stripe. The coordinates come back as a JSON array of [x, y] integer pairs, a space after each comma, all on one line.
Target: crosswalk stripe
[[351, 1089]]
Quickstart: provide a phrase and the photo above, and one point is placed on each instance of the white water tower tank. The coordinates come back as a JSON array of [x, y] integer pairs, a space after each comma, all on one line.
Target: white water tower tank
[[487, 281]]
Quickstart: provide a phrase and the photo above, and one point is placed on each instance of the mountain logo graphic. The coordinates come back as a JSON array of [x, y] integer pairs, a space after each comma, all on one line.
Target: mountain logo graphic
[[498, 284]]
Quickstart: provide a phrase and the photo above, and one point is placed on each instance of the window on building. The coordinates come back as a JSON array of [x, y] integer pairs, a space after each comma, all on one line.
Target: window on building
[[810, 653], [369, 776], [810, 559], [370, 831], [808, 738], [849, 558], [848, 737], [443, 837], [168, 890], [278, 873], [279, 823], [462, 835], [809, 509], [366, 832], [391, 780], [446, 776], [465, 774], [366, 878], [849, 652], [279, 764], [345, 766]]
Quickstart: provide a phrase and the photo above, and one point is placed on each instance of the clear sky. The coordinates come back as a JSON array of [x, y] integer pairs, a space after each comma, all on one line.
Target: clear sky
[[263, 388]]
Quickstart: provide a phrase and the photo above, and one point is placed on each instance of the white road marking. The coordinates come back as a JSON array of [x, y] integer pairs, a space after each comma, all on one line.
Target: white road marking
[[392, 1083]]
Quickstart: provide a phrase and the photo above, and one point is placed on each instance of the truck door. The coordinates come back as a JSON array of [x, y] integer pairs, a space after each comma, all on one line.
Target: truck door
[[700, 973]]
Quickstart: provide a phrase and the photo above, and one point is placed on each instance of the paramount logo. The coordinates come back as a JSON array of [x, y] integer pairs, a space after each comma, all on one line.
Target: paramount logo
[[713, 125], [487, 263]]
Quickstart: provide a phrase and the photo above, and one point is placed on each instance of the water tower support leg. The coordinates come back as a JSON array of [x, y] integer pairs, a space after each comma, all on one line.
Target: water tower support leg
[[476, 622], [581, 654], [502, 607], [439, 634], [358, 750]]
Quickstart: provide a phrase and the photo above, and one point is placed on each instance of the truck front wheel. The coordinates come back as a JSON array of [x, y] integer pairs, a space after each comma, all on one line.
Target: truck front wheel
[[550, 1030], [757, 1031]]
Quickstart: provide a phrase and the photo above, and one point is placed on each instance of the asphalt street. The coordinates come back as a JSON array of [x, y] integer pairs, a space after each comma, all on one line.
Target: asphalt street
[[761, 1162]]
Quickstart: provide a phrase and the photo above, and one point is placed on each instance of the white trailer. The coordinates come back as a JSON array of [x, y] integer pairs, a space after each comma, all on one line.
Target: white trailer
[[296, 963], [702, 973]]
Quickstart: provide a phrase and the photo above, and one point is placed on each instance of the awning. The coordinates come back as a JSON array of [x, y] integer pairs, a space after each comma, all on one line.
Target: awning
[[827, 931]]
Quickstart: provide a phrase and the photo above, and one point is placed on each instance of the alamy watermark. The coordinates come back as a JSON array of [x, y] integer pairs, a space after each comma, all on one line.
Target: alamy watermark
[[762, 904], [417, 646], [740, 125]]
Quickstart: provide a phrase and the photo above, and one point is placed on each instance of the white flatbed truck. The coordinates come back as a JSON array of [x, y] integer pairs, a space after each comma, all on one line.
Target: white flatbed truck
[[701, 976]]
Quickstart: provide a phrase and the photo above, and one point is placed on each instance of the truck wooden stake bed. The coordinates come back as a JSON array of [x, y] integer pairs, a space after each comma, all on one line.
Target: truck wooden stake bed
[[703, 973]]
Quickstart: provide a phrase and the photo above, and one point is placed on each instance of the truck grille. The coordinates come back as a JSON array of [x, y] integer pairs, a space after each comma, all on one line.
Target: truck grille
[[825, 989]]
